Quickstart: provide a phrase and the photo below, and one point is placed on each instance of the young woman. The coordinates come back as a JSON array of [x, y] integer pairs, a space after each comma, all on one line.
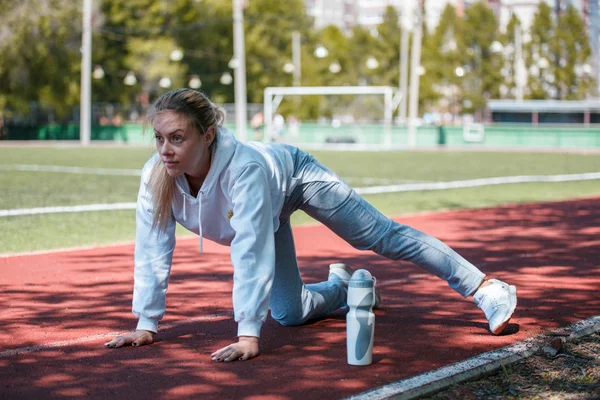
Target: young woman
[[242, 195]]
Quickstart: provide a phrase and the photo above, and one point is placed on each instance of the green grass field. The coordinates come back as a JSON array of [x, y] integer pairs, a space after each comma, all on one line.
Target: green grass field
[[28, 189]]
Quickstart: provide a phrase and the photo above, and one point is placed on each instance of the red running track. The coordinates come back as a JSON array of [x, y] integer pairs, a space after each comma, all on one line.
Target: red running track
[[73, 300]]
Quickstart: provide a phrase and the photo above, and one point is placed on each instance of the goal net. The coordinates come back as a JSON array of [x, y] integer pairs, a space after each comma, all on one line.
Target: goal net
[[340, 116]]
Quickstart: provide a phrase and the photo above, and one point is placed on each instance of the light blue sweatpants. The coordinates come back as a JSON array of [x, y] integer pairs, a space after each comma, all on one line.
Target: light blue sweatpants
[[324, 196]]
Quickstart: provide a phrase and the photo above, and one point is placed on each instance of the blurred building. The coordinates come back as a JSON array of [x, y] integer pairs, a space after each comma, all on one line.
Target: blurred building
[[347, 13], [369, 13]]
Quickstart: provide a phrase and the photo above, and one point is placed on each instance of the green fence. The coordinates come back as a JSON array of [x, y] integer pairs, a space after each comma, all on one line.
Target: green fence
[[488, 136]]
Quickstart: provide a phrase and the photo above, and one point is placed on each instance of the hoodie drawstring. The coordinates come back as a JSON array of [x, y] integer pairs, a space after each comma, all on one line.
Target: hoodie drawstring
[[185, 200], [200, 219]]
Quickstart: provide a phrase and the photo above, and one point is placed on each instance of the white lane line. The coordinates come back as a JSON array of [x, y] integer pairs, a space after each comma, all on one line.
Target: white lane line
[[92, 338], [137, 172], [67, 209], [363, 190], [478, 182], [370, 181], [434, 381], [72, 170]]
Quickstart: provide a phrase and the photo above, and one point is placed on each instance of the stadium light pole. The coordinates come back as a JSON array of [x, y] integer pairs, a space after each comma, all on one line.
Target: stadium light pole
[[85, 102], [403, 70], [519, 64], [296, 57], [415, 61], [239, 53]]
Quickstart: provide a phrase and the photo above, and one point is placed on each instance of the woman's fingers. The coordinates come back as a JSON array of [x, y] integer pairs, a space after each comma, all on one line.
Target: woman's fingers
[[231, 353], [119, 341], [245, 349], [227, 354], [232, 356], [221, 354], [137, 338], [145, 338]]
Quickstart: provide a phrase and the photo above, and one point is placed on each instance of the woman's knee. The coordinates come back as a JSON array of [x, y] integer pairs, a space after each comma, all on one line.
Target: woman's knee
[[289, 317]]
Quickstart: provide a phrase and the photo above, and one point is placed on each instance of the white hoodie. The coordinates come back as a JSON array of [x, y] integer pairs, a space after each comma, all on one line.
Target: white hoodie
[[238, 205]]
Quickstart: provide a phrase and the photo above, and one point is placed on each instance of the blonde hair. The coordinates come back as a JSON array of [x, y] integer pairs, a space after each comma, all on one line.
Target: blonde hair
[[203, 114]]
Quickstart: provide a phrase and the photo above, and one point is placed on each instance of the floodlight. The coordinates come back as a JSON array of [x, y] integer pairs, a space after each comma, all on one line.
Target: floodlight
[[195, 82], [288, 68], [226, 78], [233, 63], [130, 79], [164, 82], [321, 52], [98, 72], [496, 47], [335, 67], [372, 63], [176, 55]]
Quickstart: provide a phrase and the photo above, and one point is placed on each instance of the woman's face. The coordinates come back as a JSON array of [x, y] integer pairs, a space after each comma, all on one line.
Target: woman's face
[[182, 149]]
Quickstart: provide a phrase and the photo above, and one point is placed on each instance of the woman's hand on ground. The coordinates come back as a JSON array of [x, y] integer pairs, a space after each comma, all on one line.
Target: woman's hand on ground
[[245, 349], [137, 338]]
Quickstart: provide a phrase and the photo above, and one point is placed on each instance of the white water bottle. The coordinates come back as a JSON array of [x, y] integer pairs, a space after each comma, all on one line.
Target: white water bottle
[[360, 319]]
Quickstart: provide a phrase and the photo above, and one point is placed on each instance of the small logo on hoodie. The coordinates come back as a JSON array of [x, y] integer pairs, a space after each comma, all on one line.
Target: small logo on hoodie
[[229, 214]]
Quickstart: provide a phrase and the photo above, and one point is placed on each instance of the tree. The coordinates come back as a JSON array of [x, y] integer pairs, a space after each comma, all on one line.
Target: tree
[[572, 49], [482, 64], [205, 31], [509, 70], [538, 54], [321, 72], [39, 43], [387, 48], [428, 95], [442, 60], [138, 36], [269, 28]]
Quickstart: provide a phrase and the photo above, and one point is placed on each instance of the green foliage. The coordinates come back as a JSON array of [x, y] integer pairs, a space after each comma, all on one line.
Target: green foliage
[[508, 69], [482, 78], [538, 53], [41, 62], [40, 55], [572, 50], [441, 57], [269, 42], [559, 53]]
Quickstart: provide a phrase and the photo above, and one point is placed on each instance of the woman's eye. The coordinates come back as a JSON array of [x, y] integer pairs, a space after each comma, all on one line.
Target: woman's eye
[[177, 139], [158, 138]]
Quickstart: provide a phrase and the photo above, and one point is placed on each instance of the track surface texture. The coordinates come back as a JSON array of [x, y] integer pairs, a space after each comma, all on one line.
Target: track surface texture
[[57, 310]]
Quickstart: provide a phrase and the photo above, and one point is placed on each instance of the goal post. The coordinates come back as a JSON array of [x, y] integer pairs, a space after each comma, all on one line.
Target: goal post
[[274, 95]]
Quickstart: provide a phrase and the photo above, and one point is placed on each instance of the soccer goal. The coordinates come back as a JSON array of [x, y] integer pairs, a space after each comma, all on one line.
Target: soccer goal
[[331, 133]]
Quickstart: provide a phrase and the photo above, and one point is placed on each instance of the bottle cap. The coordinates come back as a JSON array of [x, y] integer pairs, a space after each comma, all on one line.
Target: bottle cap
[[361, 279]]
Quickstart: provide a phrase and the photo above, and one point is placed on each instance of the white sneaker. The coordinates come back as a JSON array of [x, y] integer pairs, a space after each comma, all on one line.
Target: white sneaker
[[498, 301], [343, 272]]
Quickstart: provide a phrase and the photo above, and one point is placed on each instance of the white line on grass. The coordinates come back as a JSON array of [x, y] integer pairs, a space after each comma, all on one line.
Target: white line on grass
[[369, 181], [72, 170], [473, 368], [67, 209], [137, 172], [108, 335], [364, 190], [478, 182]]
